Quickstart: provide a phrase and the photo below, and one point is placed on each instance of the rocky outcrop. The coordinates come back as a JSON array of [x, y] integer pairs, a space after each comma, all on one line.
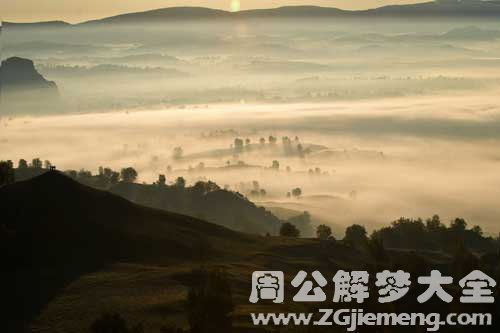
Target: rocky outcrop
[[24, 90]]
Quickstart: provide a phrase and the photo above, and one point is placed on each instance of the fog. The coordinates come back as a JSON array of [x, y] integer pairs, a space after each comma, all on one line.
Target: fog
[[397, 119]]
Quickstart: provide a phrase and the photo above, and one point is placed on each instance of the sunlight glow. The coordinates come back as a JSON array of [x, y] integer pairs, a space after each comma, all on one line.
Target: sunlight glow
[[235, 5]]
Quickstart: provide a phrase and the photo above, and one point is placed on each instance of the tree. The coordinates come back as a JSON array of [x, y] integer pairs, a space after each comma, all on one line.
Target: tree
[[23, 164], [477, 230], [7, 175], [177, 153], [262, 141], [110, 177], [434, 224], [272, 140], [47, 164], [275, 165], [36, 163], [202, 188], [128, 175], [356, 234], [210, 303], [297, 192], [180, 182], [323, 232], [289, 230], [458, 225], [162, 180], [238, 144]]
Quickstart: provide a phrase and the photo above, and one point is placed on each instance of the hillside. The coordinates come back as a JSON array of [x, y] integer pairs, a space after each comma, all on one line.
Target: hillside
[[55, 229], [71, 253]]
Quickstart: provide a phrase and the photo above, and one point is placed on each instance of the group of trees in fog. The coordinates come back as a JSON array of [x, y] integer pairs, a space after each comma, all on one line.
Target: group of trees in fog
[[407, 233], [291, 147]]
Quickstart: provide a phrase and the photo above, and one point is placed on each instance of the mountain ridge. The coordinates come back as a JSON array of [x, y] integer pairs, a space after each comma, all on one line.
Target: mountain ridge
[[449, 8]]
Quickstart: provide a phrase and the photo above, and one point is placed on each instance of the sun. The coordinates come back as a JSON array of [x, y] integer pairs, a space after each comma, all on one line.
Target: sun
[[235, 5]]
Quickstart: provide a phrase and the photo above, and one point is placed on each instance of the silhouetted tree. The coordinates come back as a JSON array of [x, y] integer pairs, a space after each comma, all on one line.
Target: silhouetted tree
[[111, 177], [323, 231], [458, 225], [23, 164], [162, 180], [7, 175], [297, 192], [289, 230], [47, 164], [180, 182], [128, 175], [36, 163], [202, 188], [238, 144], [272, 140], [434, 224], [275, 165], [356, 234]]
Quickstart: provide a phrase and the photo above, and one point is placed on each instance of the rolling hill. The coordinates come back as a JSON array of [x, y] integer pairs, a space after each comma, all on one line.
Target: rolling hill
[[432, 9], [437, 9], [54, 229], [70, 252]]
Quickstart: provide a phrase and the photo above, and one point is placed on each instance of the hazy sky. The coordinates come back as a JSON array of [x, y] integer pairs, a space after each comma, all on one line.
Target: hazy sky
[[81, 10]]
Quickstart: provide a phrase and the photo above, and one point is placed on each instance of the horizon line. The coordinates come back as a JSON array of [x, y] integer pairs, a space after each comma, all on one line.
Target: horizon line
[[216, 9]]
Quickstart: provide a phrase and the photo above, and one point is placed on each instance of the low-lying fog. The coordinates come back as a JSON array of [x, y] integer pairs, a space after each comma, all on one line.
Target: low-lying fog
[[396, 119], [377, 160]]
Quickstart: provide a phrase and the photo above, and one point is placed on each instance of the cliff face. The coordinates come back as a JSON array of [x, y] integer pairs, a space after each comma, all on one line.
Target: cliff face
[[23, 89]]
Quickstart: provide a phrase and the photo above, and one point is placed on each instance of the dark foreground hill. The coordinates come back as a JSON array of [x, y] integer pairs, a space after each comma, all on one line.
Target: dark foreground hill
[[70, 252], [55, 229]]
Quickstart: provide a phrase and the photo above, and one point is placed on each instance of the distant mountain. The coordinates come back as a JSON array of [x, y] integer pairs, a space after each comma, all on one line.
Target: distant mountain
[[47, 25], [433, 9], [444, 9], [164, 15], [23, 89]]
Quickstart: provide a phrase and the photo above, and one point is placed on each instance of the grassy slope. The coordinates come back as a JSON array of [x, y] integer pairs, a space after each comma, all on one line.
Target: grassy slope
[[87, 251]]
